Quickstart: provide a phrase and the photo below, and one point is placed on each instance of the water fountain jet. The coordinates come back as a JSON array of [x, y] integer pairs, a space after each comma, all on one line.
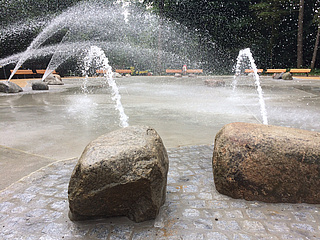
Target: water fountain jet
[[246, 53], [97, 55]]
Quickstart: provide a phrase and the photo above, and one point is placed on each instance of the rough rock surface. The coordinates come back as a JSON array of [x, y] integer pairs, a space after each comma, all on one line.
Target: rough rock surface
[[287, 76], [53, 79], [214, 83], [277, 75], [9, 87], [116, 75], [39, 85], [267, 163], [123, 173]]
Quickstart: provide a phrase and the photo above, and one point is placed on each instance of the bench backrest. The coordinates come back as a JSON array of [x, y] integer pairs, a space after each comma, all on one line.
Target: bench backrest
[[101, 71], [251, 70], [123, 71], [23, 72], [276, 70], [300, 70], [42, 71], [194, 70], [173, 70]]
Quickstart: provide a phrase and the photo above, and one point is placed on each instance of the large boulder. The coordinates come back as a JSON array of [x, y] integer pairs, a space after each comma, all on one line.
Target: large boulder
[[277, 75], [123, 173], [287, 76], [53, 79], [40, 85], [9, 87], [116, 75], [267, 163]]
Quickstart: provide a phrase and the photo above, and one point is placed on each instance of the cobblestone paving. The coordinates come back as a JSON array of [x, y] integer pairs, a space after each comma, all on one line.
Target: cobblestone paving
[[36, 207]]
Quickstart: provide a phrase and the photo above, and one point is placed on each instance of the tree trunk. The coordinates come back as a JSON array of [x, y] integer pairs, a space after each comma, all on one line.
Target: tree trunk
[[300, 35], [314, 56]]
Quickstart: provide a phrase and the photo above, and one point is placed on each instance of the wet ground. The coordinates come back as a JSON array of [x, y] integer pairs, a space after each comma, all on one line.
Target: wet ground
[[39, 128]]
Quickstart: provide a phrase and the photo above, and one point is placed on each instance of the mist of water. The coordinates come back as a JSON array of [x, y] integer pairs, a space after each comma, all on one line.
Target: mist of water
[[126, 33]]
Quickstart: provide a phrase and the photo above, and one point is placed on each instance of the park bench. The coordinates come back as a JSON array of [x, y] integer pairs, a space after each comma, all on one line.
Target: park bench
[[300, 70], [251, 71], [24, 72], [276, 70], [124, 71], [173, 70], [42, 71], [194, 70], [100, 71]]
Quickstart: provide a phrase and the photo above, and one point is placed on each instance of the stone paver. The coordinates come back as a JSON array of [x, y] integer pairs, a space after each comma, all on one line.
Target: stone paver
[[36, 207]]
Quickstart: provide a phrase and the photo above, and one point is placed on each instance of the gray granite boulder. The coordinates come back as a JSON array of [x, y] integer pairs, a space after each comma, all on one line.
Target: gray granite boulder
[[40, 85], [267, 163], [277, 75], [123, 173], [53, 79], [9, 87]]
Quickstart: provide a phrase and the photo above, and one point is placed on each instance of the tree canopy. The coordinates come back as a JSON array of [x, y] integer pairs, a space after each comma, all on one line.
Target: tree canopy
[[221, 28]]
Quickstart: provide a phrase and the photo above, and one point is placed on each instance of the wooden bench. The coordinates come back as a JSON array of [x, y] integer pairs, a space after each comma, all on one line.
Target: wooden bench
[[276, 70], [42, 71], [173, 70], [300, 70], [251, 71], [180, 71], [124, 71], [194, 70], [24, 72], [100, 71]]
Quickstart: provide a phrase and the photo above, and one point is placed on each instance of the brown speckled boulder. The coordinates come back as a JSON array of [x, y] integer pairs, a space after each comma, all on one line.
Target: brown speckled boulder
[[267, 163], [123, 173]]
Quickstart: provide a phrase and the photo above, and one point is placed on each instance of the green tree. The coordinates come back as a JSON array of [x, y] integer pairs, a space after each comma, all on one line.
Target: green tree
[[300, 35], [316, 45], [269, 15]]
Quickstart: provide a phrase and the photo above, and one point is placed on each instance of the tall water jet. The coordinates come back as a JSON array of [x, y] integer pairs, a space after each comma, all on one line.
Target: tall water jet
[[128, 34], [243, 54], [56, 25], [58, 57], [97, 55]]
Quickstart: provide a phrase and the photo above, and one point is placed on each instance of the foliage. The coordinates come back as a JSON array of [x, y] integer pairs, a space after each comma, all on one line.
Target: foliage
[[219, 28], [268, 27]]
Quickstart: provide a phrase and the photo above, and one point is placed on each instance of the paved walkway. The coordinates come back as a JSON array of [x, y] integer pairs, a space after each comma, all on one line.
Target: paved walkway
[[36, 207]]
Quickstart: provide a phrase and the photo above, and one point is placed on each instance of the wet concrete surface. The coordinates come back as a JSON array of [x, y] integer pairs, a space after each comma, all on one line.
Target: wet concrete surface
[[39, 128], [59, 123]]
